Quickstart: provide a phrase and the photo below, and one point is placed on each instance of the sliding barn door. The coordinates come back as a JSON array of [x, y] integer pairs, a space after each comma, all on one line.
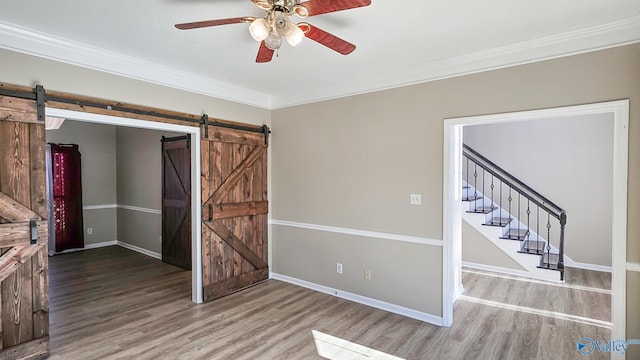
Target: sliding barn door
[[234, 196], [176, 201], [24, 308]]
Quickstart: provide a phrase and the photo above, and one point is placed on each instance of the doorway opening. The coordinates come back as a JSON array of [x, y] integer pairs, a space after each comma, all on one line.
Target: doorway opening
[[194, 134], [452, 195]]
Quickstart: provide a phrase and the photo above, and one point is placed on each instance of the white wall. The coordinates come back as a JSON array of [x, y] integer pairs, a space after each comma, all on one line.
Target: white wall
[[569, 161], [477, 249]]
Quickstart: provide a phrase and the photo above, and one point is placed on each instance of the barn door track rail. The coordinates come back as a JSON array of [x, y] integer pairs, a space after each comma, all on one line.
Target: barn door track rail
[[39, 94]]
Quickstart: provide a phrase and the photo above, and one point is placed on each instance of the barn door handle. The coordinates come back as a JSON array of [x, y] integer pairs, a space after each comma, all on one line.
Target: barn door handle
[[34, 231], [210, 212]]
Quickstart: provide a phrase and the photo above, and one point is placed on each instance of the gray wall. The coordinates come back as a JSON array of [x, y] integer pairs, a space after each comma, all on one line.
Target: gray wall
[[568, 160], [139, 169], [97, 144], [353, 162]]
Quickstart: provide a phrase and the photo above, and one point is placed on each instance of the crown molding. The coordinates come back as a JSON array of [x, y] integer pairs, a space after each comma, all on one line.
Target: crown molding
[[599, 37], [27, 41]]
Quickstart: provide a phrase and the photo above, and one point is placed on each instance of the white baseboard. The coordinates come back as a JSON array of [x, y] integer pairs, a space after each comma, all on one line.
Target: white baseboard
[[459, 292], [125, 245], [143, 251], [101, 244], [87, 247], [503, 270], [578, 265], [396, 309]]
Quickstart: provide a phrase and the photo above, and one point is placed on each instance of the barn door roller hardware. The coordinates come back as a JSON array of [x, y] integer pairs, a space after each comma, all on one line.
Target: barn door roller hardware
[[40, 98], [205, 121], [38, 94], [33, 225], [266, 132]]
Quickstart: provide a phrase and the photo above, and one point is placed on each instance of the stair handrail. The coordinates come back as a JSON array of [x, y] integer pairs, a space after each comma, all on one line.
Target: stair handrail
[[553, 209], [514, 182]]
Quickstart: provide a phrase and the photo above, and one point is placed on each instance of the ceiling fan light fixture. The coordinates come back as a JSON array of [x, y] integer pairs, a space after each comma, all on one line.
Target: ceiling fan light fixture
[[301, 11], [281, 24], [263, 4], [273, 41], [259, 29], [295, 36]]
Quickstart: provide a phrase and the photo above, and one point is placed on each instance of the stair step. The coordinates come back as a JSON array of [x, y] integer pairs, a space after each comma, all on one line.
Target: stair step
[[471, 197], [550, 261], [482, 210], [498, 221], [533, 247], [515, 234]]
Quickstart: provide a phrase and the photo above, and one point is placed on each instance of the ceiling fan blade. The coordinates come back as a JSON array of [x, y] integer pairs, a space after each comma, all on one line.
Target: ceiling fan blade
[[317, 7], [264, 54], [326, 39], [207, 23]]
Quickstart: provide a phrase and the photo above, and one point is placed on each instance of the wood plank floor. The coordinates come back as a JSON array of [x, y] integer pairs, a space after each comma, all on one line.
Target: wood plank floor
[[572, 298], [112, 303]]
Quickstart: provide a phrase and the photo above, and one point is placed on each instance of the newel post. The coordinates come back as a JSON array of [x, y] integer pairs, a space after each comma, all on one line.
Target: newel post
[[563, 223]]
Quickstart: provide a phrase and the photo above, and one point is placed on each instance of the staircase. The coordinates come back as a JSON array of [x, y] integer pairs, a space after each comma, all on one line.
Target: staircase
[[521, 222]]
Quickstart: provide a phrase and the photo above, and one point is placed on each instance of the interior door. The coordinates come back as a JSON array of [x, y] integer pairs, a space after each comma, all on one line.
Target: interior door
[[176, 201], [24, 310], [67, 196], [234, 224]]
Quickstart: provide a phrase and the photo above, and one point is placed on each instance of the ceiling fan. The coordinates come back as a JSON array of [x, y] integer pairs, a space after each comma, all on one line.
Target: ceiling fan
[[270, 29]]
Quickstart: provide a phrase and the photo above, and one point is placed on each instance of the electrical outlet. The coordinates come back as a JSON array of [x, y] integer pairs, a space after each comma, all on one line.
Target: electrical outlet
[[159, 238], [367, 274], [339, 268], [415, 199], [89, 231]]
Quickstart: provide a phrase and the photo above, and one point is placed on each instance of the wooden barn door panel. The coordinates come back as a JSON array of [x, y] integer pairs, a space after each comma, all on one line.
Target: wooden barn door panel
[[234, 193], [176, 201], [24, 305]]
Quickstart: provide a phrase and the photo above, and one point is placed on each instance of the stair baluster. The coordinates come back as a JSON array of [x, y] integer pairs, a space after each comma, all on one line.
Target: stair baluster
[[475, 185], [520, 232], [509, 215], [538, 231], [547, 264], [467, 178], [529, 222]]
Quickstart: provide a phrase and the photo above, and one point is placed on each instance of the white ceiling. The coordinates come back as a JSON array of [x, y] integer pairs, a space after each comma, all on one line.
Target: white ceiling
[[398, 42]]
